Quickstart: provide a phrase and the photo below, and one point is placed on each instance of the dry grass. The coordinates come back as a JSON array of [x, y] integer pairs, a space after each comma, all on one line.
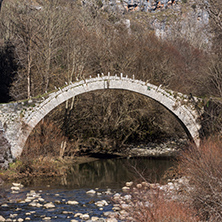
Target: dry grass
[[203, 166], [151, 205]]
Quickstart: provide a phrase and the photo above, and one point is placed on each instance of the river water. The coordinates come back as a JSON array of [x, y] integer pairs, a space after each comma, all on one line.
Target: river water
[[105, 176]]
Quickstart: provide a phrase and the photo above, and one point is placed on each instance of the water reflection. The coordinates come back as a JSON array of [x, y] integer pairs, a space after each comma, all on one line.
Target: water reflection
[[114, 173]]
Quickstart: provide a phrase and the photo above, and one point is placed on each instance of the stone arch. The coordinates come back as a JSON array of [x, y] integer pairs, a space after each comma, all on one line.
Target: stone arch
[[178, 104]]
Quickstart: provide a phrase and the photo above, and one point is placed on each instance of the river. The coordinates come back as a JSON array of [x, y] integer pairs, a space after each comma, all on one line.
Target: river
[[104, 176]]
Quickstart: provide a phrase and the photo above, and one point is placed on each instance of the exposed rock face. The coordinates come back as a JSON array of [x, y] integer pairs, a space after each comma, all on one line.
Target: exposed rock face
[[147, 5], [168, 18], [5, 151]]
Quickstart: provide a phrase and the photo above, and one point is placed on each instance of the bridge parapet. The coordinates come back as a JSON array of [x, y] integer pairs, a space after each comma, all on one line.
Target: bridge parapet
[[19, 118]]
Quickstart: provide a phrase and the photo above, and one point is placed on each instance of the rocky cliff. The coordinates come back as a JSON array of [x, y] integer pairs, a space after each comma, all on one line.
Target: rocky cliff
[[168, 18]]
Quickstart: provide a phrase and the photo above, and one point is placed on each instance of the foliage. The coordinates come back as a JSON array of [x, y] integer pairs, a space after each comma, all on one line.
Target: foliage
[[111, 119], [203, 166], [46, 140], [152, 205], [60, 41]]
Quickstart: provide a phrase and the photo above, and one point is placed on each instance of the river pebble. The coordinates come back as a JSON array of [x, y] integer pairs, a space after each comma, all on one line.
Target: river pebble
[[15, 188], [94, 218], [91, 192], [139, 185], [72, 202], [2, 218], [125, 188], [49, 205], [13, 215], [129, 184], [47, 218], [101, 203], [111, 220], [85, 216], [78, 215]]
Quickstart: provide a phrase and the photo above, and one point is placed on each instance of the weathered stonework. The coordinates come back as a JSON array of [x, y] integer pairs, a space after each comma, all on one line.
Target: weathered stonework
[[19, 118]]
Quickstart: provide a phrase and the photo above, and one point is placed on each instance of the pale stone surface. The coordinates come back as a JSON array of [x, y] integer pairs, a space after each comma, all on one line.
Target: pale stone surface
[[84, 216], [47, 218], [111, 220], [49, 205], [125, 188], [129, 184], [72, 202], [15, 188], [91, 192], [2, 218], [78, 215]]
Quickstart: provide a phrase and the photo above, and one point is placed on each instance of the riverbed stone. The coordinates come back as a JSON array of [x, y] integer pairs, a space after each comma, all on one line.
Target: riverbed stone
[[20, 220], [116, 208], [27, 218], [124, 206], [91, 192], [13, 215], [15, 188], [72, 202], [78, 215], [67, 212], [85, 216], [127, 197], [17, 185], [101, 203], [139, 185], [116, 197], [109, 214], [129, 184], [94, 218], [49, 205], [111, 220], [125, 188], [32, 204], [46, 218], [2, 218], [57, 201]]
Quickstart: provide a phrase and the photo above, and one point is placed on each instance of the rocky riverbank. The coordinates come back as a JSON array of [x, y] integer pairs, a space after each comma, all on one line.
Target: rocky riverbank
[[29, 205], [169, 148]]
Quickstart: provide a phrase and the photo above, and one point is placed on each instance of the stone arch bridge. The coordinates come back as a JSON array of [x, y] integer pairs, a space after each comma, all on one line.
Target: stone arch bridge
[[17, 119]]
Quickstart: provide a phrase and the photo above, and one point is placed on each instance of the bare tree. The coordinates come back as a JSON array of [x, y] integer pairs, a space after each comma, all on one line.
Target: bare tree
[[25, 29]]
